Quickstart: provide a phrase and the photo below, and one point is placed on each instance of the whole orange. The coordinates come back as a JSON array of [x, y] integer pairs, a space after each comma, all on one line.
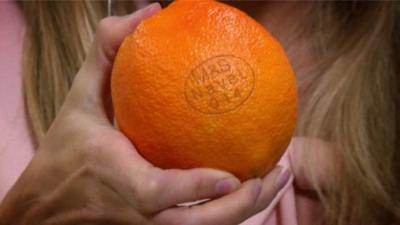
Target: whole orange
[[201, 84]]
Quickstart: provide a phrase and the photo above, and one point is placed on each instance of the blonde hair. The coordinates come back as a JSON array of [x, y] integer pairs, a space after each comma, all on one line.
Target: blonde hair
[[349, 98], [58, 35]]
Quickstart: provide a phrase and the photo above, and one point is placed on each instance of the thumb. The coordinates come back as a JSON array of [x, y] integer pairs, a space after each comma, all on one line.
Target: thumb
[[90, 90]]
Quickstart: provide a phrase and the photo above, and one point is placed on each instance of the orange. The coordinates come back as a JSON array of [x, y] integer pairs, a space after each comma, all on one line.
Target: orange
[[201, 84]]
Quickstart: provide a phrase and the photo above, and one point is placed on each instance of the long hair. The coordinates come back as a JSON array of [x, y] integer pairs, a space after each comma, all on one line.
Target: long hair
[[349, 98]]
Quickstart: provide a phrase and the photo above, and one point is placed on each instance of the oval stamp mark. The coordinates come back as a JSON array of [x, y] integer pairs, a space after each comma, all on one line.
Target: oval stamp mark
[[219, 84]]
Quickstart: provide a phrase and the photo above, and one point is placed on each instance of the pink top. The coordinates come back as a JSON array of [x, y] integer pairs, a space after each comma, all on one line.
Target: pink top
[[16, 147]]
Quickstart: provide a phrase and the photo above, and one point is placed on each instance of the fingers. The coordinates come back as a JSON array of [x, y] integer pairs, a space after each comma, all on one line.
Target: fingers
[[91, 85], [152, 189], [251, 198], [171, 187]]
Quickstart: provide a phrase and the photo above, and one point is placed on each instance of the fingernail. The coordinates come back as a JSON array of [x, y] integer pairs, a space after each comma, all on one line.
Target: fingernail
[[150, 9], [282, 179], [227, 185]]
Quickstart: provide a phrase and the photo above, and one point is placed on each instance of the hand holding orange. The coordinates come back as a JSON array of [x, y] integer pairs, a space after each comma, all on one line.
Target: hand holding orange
[[201, 84]]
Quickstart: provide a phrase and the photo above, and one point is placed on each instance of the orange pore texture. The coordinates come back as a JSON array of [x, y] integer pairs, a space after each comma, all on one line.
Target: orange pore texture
[[201, 84]]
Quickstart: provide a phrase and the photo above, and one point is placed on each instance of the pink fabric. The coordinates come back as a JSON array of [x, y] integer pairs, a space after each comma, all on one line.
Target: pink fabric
[[16, 148], [282, 210]]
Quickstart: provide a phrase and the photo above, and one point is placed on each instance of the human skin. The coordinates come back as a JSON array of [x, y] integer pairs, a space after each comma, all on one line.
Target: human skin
[[86, 171]]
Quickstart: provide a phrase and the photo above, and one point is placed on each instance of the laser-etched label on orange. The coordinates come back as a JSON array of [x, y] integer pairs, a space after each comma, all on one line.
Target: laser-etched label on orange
[[219, 84]]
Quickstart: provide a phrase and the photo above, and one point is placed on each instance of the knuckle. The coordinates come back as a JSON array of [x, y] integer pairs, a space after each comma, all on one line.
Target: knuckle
[[147, 193], [104, 25]]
